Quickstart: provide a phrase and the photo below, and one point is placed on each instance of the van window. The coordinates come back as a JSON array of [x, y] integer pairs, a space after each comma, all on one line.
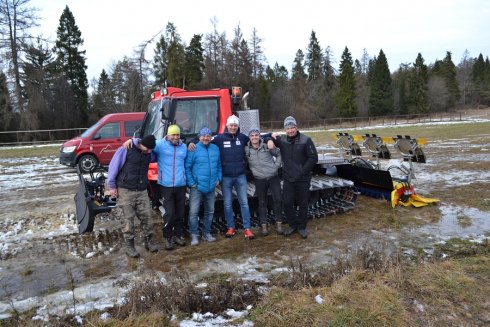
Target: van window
[[130, 127], [90, 130], [108, 131]]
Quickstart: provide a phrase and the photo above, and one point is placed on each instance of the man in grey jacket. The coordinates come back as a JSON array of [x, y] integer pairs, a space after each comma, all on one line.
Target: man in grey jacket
[[264, 164]]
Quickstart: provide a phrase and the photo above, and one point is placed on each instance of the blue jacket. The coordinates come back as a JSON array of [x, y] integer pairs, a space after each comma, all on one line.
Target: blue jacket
[[203, 167], [232, 152], [171, 159]]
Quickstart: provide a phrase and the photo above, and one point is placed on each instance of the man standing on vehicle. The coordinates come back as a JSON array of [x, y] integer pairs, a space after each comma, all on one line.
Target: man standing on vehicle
[[127, 180], [264, 164], [203, 174], [299, 156], [171, 153]]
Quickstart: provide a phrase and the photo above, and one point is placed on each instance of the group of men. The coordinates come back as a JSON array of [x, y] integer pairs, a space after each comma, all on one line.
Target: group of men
[[202, 166]]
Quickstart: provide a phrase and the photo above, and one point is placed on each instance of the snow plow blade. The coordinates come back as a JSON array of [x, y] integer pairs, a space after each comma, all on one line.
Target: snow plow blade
[[90, 201]]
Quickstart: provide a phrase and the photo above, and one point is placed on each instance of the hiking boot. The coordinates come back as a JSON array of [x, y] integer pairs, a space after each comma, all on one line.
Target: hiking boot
[[194, 239], [279, 228], [130, 249], [169, 244], [249, 234], [303, 233], [179, 240], [208, 237], [150, 244], [264, 230], [230, 232], [289, 231]]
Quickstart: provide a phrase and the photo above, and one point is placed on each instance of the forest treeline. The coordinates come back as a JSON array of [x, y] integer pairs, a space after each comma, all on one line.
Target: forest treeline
[[44, 85]]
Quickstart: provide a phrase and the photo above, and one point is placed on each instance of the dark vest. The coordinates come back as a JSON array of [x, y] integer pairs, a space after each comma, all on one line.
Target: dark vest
[[134, 173]]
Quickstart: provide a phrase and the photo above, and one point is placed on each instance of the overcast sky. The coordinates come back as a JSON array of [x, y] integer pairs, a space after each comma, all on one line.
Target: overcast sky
[[112, 29]]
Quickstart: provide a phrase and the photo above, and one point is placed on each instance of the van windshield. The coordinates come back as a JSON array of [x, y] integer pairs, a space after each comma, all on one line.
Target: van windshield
[[90, 130]]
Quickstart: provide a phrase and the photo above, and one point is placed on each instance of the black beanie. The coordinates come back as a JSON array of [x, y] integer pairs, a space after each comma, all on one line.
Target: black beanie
[[148, 141]]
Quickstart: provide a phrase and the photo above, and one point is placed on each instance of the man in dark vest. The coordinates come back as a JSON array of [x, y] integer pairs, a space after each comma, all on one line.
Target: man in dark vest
[[127, 180]]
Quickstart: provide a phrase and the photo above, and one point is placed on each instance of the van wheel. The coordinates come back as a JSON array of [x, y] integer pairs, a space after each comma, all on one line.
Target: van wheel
[[87, 163]]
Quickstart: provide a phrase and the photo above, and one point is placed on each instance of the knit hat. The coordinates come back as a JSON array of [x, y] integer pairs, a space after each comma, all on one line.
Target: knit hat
[[204, 131], [173, 130], [289, 121], [148, 141], [253, 130], [233, 120]]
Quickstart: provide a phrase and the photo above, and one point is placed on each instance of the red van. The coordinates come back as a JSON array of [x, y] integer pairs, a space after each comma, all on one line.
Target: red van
[[98, 144]]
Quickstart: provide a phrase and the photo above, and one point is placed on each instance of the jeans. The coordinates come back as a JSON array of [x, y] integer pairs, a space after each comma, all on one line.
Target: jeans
[[195, 198], [240, 184], [296, 193], [262, 186]]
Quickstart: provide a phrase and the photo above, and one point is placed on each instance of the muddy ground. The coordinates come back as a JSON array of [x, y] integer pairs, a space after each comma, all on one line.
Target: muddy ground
[[42, 254]]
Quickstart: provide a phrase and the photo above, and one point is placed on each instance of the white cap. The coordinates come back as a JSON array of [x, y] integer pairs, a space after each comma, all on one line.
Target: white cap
[[233, 120]]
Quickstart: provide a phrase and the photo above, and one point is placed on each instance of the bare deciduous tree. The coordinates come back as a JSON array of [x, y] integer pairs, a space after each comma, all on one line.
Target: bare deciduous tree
[[17, 18]]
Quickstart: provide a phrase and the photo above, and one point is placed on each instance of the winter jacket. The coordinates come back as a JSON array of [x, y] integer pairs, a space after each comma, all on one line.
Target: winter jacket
[[129, 169], [232, 152], [171, 159], [299, 156], [203, 167], [261, 160]]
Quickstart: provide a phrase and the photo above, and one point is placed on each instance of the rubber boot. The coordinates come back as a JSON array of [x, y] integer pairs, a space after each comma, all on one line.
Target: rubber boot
[[279, 228], [150, 244], [169, 244], [130, 250], [264, 230]]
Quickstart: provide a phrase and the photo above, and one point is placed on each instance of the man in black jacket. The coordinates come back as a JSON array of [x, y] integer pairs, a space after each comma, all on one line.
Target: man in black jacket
[[127, 180], [299, 156]]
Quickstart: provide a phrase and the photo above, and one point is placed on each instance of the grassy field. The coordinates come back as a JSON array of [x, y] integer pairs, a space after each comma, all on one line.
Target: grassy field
[[29, 151]]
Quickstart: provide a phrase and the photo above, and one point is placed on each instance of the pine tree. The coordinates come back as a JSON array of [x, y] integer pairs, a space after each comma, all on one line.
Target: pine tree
[[298, 85], [314, 59], [175, 57], [345, 98], [298, 71], [194, 62], [103, 102], [70, 61], [381, 93], [447, 71], [160, 62], [329, 84], [419, 100], [38, 77]]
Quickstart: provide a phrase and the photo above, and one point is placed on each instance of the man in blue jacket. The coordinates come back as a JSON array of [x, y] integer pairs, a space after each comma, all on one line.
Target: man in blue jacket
[[231, 145], [203, 174], [127, 181], [171, 153]]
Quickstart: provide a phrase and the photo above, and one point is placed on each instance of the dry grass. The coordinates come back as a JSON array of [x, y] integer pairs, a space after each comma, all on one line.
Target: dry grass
[[34, 151], [443, 293]]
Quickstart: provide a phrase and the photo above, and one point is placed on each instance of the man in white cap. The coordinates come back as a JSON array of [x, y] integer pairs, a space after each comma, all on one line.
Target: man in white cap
[[299, 156], [231, 144]]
